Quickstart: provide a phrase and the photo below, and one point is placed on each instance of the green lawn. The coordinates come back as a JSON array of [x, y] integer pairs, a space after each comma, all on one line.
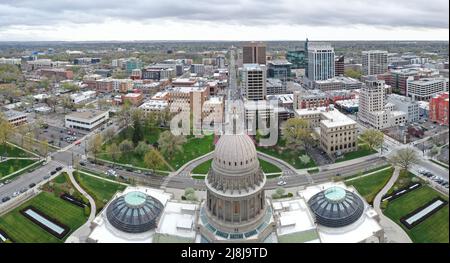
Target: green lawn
[[193, 148], [404, 179], [267, 167], [370, 185], [22, 230], [361, 152], [13, 151], [10, 166], [102, 191], [281, 152], [434, 229]]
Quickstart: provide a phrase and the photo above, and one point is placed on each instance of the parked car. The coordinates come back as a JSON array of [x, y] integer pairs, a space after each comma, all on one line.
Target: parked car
[[59, 168], [52, 172], [32, 185], [6, 199], [46, 177], [23, 190], [82, 163]]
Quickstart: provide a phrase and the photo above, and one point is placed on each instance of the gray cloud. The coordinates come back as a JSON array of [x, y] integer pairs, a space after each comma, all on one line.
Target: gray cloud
[[399, 13]]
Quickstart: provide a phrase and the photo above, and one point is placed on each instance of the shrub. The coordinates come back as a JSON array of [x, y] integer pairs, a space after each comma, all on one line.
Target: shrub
[[384, 204], [275, 196], [290, 195], [87, 210]]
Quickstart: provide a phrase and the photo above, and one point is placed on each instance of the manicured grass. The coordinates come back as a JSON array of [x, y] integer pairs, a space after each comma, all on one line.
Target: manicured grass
[[440, 164], [404, 179], [102, 191], [434, 229], [22, 230], [267, 167], [10, 166], [369, 186], [361, 152], [203, 168], [12, 151], [193, 148], [150, 137], [281, 152]]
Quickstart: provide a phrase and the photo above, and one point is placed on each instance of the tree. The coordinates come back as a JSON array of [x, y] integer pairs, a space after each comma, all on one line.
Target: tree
[[67, 103], [5, 131], [108, 134], [405, 158], [138, 133], [9, 73], [126, 146], [113, 151], [434, 151], [51, 102], [124, 115], [70, 87], [279, 193], [153, 159], [305, 159], [356, 74], [373, 138], [189, 194], [44, 147], [141, 148], [95, 145], [296, 133], [170, 144]]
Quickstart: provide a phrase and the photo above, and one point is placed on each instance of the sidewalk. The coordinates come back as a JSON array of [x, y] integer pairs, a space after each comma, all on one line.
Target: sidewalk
[[393, 232]]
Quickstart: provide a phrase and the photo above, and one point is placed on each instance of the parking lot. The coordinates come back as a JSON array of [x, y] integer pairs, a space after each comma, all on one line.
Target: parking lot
[[60, 137], [429, 128]]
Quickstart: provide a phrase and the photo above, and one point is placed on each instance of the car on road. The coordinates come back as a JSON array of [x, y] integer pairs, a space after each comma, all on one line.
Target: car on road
[[338, 174], [32, 185], [281, 183], [6, 199]]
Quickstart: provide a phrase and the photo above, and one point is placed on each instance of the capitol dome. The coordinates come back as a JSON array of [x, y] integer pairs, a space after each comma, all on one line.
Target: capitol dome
[[235, 154], [135, 212], [336, 207]]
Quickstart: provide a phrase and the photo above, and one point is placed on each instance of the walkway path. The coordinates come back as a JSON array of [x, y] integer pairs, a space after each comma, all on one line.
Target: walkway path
[[374, 172], [393, 232], [81, 234]]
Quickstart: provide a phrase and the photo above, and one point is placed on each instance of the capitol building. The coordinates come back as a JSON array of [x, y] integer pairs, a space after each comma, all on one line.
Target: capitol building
[[236, 209]]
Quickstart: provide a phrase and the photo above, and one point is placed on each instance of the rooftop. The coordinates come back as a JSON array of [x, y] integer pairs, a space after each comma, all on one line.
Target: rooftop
[[88, 114]]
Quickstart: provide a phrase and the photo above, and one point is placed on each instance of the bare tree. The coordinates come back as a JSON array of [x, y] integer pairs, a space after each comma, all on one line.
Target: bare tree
[[404, 158]]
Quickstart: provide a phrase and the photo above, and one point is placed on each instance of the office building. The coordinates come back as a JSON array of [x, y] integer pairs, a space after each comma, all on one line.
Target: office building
[[426, 88], [373, 109], [337, 133], [405, 104], [254, 53], [337, 83], [275, 86], [254, 81], [438, 108], [279, 69], [298, 59], [339, 66], [320, 61], [374, 62], [86, 120]]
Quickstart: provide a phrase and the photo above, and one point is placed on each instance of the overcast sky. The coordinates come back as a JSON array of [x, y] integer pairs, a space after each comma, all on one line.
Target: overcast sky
[[224, 20]]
